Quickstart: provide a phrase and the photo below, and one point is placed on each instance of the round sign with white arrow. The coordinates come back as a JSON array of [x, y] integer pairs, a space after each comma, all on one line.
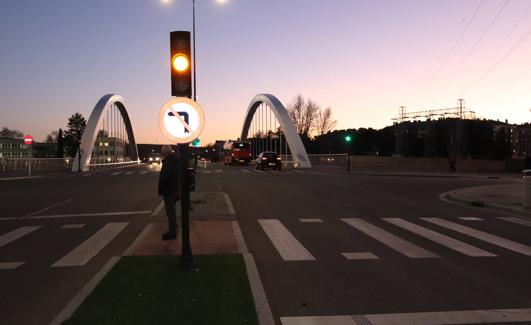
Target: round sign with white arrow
[[181, 120]]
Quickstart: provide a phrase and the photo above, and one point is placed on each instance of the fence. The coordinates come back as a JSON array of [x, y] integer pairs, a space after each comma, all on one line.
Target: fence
[[37, 164]]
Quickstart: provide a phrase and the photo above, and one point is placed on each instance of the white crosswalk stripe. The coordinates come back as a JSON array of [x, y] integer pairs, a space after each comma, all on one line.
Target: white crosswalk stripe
[[16, 234], [516, 220], [484, 236], [10, 265], [398, 244], [144, 172], [130, 173], [116, 173], [92, 246], [286, 244], [246, 171], [441, 239]]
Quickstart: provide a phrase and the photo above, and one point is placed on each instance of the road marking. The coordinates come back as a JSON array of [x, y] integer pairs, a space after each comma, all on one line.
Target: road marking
[[299, 171], [218, 170], [342, 202], [84, 292], [92, 246], [386, 238], [423, 318], [516, 220], [319, 320], [441, 239], [489, 238], [6, 219], [286, 244], [10, 265], [130, 173], [73, 226], [360, 256], [230, 206], [208, 171], [116, 173], [157, 209], [144, 172], [90, 214], [311, 220], [89, 174], [45, 209], [16, 234], [470, 218], [259, 171], [245, 171]]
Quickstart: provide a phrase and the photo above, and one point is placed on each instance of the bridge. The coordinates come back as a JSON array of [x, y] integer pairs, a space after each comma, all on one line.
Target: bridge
[[109, 141]]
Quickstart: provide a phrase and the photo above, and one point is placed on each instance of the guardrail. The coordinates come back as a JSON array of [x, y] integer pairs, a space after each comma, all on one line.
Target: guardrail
[[37, 164], [112, 165], [328, 159]]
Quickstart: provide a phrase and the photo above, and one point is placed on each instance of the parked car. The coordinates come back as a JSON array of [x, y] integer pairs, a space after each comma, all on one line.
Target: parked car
[[268, 159]]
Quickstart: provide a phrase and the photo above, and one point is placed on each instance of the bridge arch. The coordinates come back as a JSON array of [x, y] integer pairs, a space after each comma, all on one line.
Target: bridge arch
[[114, 105], [292, 137]]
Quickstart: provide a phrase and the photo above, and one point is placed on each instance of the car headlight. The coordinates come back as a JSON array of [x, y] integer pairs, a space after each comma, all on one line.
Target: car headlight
[[157, 159], [150, 159]]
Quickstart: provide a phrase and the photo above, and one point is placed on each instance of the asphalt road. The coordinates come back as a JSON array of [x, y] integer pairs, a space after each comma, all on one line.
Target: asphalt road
[[330, 284], [300, 262]]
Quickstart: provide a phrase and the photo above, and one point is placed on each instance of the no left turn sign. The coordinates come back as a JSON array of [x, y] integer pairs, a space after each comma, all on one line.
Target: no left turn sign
[[181, 120]]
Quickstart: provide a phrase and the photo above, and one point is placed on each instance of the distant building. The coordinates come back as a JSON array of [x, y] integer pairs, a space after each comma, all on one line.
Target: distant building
[[521, 140], [12, 148]]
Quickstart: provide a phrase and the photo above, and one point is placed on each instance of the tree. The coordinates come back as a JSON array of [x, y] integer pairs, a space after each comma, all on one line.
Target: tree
[[52, 137], [60, 144], [303, 114], [325, 123], [76, 125], [11, 133]]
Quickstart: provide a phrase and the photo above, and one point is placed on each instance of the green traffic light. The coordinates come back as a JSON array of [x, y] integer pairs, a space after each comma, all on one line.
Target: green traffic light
[[348, 138]]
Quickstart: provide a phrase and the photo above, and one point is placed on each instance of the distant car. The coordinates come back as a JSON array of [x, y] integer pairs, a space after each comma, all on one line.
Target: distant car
[[154, 158], [268, 159]]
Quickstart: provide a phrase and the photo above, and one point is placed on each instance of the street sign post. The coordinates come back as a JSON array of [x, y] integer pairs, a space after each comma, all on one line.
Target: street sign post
[[28, 140], [181, 120]]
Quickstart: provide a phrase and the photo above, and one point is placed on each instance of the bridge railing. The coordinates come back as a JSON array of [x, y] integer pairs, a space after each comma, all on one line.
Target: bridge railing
[[112, 165], [37, 164]]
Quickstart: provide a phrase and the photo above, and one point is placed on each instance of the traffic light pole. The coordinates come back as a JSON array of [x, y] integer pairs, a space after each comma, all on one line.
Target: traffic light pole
[[193, 48], [186, 250]]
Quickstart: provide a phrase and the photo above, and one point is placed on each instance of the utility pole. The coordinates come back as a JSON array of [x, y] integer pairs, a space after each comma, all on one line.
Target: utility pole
[[461, 100]]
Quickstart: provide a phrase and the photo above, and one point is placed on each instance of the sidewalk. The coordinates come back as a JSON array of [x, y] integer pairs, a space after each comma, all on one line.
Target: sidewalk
[[505, 198]]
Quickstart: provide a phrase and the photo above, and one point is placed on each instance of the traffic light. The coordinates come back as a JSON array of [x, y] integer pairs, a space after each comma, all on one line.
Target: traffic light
[[181, 64], [196, 142], [348, 138]]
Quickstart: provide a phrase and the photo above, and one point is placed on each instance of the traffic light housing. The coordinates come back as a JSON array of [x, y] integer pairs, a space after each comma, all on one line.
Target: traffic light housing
[[181, 64]]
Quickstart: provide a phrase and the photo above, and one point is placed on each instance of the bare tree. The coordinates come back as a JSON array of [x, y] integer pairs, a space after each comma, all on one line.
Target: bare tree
[[295, 111], [325, 123], [11, 133], [52, 137], [311, 113], [303, 114]]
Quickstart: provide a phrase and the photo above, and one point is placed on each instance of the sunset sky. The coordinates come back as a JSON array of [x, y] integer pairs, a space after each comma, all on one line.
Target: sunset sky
[[364, 59]]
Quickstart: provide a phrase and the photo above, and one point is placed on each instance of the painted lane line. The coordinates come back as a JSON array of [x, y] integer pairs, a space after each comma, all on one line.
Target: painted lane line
[[92, 246], [342, 202], [73, 226], [48, 208], [130, 173], [6, 219], [89, 174], [91, 214], [516, 220], [423, 318], [263, 310], [310, 220], [398, 244], [245, 171], [158, 209], [470, 218], [441, 239], [116, 173], [69, 309], [16, 234], [320, 320], [10, 265], [360, 256], [228, 201], [144, 172], [481, 235], [259, 171], [286, 244], [131, 249], [218, 170], [206, 172]]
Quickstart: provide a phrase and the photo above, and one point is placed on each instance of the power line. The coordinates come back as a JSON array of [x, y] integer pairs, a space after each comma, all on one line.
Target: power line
[[507, 54]]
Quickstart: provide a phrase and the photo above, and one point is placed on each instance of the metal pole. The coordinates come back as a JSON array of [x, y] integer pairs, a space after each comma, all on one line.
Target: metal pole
[[186, 251], [193, 45], [30, 153]]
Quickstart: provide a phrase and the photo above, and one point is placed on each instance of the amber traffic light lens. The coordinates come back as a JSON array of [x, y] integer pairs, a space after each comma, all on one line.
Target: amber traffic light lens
[[180, 62]]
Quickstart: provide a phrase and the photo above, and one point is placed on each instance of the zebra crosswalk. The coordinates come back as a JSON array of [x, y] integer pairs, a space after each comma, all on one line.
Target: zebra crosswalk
[[77, 256], [291, 248]]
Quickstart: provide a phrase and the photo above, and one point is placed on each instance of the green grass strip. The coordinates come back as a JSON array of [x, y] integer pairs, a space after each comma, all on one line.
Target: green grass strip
[[158, 290]]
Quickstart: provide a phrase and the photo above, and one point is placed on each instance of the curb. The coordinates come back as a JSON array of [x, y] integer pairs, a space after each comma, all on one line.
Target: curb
[[452, 197]]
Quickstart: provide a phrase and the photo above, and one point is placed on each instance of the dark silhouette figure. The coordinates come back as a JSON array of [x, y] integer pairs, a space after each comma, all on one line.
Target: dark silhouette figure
[[169, 189]]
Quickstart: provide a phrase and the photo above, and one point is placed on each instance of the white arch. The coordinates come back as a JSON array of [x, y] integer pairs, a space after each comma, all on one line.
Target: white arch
[[91, 130], [292, 137]]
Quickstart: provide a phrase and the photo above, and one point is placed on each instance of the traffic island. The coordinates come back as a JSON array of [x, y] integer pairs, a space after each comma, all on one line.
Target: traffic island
[[158, 290]]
